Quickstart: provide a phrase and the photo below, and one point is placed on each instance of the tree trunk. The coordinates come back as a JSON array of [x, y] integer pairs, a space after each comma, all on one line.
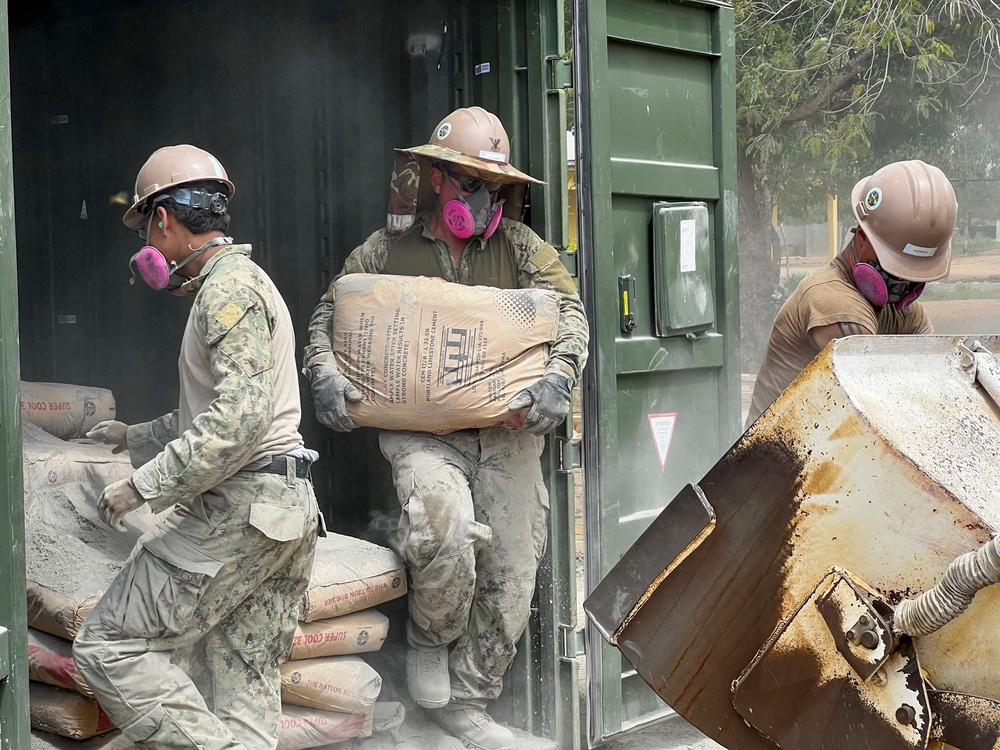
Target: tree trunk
[[758, 270]]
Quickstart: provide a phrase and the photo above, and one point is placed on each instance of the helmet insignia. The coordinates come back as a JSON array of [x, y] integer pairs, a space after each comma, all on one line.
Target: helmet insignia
[[873, 199]]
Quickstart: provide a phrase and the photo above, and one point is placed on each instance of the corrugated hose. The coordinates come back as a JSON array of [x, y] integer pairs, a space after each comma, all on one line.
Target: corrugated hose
[[973, 571], [951, 596]]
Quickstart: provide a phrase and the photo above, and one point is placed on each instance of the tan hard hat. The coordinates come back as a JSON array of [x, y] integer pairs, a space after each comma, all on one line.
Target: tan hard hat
[[475, 140], [907, 210], [168, 167]]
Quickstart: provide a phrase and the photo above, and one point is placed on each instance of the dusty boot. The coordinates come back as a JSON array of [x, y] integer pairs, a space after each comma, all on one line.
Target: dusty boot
[[474, 727], [427, 676]]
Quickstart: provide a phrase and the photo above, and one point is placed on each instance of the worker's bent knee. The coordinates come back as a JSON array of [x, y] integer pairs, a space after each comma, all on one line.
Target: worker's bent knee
[[88, 648], [101, 659]]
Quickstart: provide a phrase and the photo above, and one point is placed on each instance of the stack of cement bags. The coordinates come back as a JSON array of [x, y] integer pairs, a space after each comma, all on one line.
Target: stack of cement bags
[[71, 556], [61, 702], [328, 692]]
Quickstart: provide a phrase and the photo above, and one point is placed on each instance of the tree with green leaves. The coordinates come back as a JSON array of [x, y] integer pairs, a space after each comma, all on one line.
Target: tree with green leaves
[[828, 89]]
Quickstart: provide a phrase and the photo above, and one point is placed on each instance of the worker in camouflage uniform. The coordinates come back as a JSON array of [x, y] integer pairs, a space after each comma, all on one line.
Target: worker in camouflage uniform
[[220, 578], [474, 507]]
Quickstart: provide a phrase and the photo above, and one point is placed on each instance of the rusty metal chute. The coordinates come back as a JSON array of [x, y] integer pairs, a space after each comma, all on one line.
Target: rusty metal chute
[[759, 605]]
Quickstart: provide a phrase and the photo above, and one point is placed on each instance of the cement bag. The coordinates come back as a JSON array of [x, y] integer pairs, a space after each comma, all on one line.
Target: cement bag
[[66, 411], [50, 660], [55, 613], [66, 713], [435, 356], [49, 462], [301, 728], [356, 633], [331, 683], [350, 575]]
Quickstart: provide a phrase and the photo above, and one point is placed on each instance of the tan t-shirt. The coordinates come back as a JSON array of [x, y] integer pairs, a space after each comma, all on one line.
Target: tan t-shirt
[[826, 296]]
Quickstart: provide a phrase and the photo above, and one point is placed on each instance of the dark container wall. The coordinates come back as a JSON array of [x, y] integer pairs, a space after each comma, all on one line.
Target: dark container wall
[[301, 101]]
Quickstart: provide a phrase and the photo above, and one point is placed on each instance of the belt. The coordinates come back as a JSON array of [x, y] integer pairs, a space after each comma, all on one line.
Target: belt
[[279, 465]]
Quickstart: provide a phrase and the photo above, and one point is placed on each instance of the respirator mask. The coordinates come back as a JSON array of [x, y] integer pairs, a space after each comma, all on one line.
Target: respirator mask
[[149, 263], [474, 212], [881, 288]]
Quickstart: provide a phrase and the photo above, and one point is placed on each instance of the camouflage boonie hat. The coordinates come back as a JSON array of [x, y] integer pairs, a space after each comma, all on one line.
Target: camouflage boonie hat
[[474, 140]]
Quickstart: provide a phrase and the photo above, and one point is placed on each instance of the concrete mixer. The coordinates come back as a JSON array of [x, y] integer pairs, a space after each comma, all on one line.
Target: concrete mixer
[[817, 589]]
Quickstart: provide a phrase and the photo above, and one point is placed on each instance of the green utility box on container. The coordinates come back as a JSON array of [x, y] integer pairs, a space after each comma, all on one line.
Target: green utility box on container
[[683, 269], [656, 103]]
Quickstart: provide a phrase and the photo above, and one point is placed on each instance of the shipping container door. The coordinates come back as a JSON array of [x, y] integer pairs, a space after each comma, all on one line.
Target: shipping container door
[[512, 63], [13, 665], [655, 104]]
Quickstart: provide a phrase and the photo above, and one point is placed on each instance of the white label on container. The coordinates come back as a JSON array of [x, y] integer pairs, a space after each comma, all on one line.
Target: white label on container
[[662, 427], [689, 259]]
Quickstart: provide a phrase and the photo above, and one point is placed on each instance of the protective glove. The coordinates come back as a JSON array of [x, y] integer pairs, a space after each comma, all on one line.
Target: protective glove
[[118, 499], [111, 432], [331, 391], [549, 401]]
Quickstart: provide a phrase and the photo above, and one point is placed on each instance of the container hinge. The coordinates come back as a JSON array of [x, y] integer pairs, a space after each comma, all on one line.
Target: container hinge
[[569, 454], [4, 654], [569, 260], [573, 642], [560, 73]]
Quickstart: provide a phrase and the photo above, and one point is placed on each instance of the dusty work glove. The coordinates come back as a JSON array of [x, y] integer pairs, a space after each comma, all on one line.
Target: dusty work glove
[[111, 432], [118, 499], [331, 391], [547, 400]]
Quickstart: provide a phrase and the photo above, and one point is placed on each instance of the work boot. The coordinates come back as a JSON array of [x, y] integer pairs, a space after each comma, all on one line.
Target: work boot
[[474, 727], [427, 676]]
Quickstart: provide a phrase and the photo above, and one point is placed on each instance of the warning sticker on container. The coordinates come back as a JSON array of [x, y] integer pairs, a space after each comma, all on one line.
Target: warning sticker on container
[[662, 427]]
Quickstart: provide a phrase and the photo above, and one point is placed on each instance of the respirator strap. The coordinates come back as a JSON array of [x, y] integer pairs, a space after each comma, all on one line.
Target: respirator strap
[[214, 242]]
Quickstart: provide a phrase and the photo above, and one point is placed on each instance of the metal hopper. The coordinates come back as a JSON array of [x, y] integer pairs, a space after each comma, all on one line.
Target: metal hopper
[[762, 603]]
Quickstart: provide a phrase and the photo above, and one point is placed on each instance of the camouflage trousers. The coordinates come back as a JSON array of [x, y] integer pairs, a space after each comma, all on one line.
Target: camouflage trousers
[[472, 530], [184, 648]]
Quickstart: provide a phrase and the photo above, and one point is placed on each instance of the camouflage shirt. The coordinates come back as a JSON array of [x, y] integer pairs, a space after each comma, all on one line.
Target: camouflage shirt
[[537, 266], [239, 391]]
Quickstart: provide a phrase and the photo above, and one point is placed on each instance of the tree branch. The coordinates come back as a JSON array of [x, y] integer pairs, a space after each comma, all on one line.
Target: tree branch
[[822, 99]]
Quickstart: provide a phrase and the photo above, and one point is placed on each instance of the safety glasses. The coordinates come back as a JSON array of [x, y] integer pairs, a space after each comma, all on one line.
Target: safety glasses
[[143, 230], [148, 209], [469, 184]]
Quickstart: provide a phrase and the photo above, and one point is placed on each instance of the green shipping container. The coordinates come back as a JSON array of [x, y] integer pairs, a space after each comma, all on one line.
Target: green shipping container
[[304, 101]]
